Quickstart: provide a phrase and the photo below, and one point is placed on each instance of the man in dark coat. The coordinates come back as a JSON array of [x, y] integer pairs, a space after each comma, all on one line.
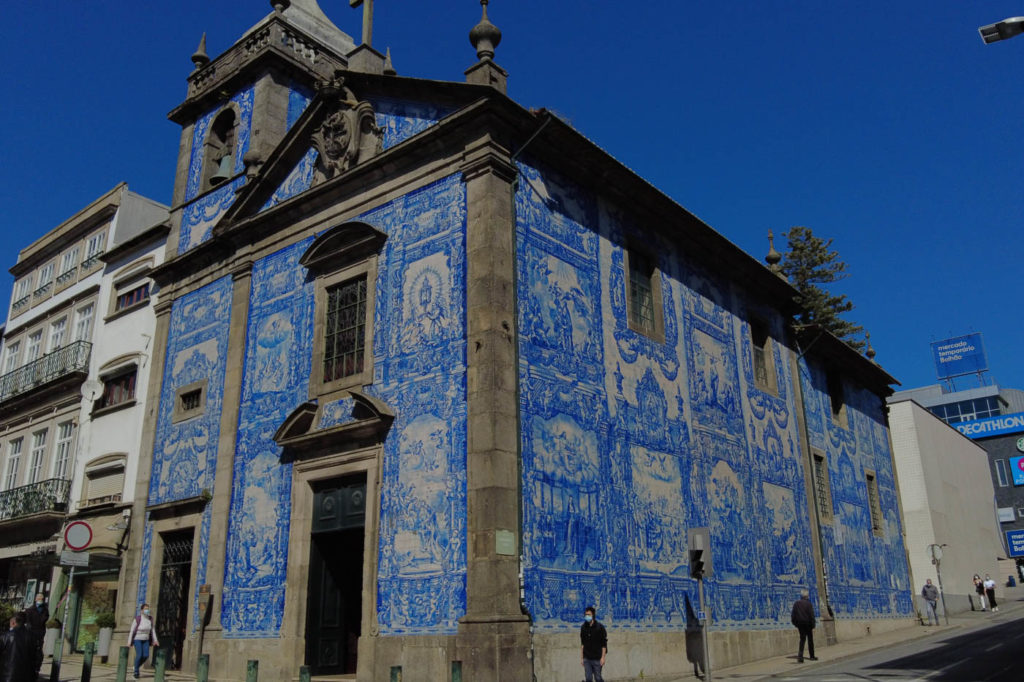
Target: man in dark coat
[[35, 621], [593, 645], [803, 619], [17, 652]]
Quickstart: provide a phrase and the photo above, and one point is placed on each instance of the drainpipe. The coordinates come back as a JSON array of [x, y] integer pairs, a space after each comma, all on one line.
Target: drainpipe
[[830, 637], [519, 441]]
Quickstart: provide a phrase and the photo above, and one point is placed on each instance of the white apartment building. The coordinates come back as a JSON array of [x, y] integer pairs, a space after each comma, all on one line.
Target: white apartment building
[[75, 341]]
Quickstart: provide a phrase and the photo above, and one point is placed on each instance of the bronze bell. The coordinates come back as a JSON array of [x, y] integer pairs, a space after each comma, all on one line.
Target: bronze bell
[[224, 170]]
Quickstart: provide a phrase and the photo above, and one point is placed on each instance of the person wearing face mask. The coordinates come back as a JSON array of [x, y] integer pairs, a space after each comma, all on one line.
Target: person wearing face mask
[[141, 636], [594, 645], [35, 620]]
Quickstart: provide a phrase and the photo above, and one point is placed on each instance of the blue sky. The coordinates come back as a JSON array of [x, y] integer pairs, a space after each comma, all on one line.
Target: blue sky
[[889, 127]]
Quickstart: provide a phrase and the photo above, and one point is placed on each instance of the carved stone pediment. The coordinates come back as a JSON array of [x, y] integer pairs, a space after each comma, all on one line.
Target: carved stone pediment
[[348, 135]]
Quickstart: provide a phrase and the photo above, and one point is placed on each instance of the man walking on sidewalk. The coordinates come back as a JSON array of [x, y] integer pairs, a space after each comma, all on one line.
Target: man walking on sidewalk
[[990, 591], [803, 619], [930, 594]]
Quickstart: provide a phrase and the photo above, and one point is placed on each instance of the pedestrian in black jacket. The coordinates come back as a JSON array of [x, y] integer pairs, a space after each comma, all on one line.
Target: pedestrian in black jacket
[[803, 619], [594, 645], [17, 652]]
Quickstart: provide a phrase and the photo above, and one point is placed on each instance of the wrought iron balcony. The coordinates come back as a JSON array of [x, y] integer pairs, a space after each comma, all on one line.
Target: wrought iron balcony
[[21, 303], [67, 276], [91, 261], [50, 495], [71, 358]]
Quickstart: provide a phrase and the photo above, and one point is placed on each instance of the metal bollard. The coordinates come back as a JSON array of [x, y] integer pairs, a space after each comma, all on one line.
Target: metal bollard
[[87, 656], [55, 659], [304, 674], [159, 665], [122, 664], [203, 668], [252, 671]]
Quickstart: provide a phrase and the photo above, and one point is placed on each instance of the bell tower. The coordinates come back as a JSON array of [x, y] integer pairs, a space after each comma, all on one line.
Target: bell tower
[[240, 104]]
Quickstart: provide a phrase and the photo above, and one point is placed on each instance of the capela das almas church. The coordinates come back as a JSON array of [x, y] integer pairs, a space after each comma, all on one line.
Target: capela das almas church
[[433, 373]]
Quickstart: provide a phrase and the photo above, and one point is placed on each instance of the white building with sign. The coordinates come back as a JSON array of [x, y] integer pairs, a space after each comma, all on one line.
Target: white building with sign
[[947, 497]]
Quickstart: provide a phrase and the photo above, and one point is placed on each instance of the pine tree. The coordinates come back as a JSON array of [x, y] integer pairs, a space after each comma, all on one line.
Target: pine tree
[[811, 265]]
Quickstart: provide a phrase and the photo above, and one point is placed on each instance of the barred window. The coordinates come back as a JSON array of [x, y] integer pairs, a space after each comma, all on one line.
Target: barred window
[[821, 488], [641, 293], [345, 331], [874, 504]]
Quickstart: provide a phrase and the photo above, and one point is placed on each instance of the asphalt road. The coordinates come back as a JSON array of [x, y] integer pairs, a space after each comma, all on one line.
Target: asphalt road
[[991, 654]]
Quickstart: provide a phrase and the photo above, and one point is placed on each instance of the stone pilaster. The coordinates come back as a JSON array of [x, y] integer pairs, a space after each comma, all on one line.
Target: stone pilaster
[[493, 637], [224, 475], [131, 564]]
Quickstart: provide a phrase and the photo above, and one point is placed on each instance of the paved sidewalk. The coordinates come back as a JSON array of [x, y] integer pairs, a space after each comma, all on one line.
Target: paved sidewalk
[[71, 671], [1011, 604]]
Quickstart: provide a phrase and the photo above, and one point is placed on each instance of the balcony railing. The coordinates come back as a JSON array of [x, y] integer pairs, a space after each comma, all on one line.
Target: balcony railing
[[21, 303], [71, 358], [67, 276], [91, 261], [44, 496]]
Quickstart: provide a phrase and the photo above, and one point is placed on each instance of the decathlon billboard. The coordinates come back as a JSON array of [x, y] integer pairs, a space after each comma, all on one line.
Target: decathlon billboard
[[958, 356], [992, 426]]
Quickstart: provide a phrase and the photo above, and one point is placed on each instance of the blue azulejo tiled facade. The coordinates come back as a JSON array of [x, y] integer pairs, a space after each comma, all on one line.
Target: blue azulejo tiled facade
[[628, 441]]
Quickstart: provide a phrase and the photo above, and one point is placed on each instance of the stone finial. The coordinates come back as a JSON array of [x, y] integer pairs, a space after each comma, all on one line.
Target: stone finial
[[774, 258], [199, 57], [280, 5], [870, 352], [389, 68], [485, 36]]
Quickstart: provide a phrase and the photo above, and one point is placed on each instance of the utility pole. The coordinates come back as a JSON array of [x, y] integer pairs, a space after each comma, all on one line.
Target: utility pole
[[936, 552]]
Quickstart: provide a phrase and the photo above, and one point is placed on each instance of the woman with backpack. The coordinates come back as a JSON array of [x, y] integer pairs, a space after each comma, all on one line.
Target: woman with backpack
[[141, 636]]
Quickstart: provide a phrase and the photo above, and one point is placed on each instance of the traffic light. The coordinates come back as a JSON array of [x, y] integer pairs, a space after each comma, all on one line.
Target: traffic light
[[696, 563]]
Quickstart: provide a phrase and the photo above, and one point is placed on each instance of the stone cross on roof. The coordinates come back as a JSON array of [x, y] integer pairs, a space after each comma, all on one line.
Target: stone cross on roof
[[367, 6]]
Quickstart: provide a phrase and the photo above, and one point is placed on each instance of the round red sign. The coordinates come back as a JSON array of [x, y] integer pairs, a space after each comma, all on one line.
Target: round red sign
[[77, 535]]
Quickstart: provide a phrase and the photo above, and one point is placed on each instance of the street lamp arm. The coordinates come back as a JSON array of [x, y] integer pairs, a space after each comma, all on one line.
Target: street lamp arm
[[1002, 30]]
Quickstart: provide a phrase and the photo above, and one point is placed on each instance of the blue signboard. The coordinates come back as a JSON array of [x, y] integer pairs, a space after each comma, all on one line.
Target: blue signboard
[[1015, 542], [992, 426], [959, 356], [1017, 467]]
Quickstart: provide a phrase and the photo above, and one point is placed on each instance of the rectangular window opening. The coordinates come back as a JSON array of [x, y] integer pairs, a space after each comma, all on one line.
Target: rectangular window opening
[[821, 486], [1002, 473], [131, 298], [874, 504], [345, 332], [117, 390], [192, 399]]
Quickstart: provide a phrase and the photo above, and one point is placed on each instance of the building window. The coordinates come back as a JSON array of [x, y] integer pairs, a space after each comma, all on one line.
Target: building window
[[834, 384], [94, 247], [132, 297], [344, 262], [874, 504], [35, 467], [822, 488], [13, 463], [345, 330], [57, 331], [44, 280], [11, 361], [83, 322], [117, 390], [23, 289], [643, 295], [68, 265], [1002, 473], [967, 410], [104, 481], [189, 401], [65, 443], [35, 346], [763, 356]]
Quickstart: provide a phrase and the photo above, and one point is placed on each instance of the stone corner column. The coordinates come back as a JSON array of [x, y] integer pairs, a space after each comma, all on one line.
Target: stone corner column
[[493, 640]]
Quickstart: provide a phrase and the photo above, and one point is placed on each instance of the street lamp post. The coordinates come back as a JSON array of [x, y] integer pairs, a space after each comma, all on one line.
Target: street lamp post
[[936, 552], [1002, 30]]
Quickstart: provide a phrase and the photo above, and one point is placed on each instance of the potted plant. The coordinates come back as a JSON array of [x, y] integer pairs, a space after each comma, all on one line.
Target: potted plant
[[52, 633], [105, 622]]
